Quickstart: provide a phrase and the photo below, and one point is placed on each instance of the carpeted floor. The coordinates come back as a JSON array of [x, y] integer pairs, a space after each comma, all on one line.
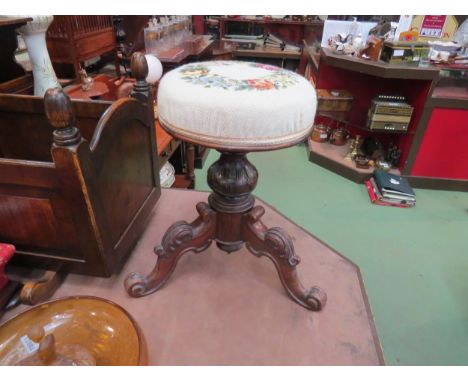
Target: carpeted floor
[[414, 261]]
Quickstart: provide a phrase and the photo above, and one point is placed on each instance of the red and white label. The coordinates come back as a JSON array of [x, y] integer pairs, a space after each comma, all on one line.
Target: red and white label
[[432, 26]]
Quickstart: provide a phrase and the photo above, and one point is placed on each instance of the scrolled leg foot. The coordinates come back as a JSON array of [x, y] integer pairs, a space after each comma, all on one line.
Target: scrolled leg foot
[[180, 238], [317, 298], [277, 245], [136, 284]]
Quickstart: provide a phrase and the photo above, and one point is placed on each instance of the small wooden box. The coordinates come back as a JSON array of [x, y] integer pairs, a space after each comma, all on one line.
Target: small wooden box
[[404, 52], [334, 100]]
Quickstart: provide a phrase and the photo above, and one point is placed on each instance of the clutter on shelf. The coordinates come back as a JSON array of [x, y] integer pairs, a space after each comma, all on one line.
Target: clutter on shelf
[[413, 40]]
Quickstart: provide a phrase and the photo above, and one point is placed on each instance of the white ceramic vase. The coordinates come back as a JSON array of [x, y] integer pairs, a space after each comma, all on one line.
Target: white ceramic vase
[[33, 34]]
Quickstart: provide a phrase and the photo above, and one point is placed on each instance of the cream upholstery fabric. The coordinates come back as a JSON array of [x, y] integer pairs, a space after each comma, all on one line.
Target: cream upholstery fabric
[[236, 105]]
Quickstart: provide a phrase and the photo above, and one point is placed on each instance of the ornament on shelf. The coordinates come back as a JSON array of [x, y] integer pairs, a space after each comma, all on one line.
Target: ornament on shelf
[[86, 81], [353, 148], [358, 42], [393, 155]]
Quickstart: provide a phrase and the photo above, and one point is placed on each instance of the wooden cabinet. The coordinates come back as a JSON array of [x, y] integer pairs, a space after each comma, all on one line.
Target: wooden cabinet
[[293, 32], [434, 146], [74, 39], [76, 188], [9, 68]]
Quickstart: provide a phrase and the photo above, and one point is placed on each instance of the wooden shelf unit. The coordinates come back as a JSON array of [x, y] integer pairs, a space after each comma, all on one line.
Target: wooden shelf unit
[[431, 157], [332, 158], [365, 80], [272, 21], [377, 68], [293, 32], [342, 117]]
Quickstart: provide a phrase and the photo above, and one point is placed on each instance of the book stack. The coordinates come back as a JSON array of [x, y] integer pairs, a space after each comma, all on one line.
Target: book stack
[[386, 189], [272, 41]]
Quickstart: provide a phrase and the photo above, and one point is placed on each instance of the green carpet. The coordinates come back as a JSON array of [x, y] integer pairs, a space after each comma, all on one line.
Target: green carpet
[[414, 261]]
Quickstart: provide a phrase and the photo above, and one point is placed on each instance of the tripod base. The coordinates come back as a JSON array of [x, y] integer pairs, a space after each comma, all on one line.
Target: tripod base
[[231, 220]]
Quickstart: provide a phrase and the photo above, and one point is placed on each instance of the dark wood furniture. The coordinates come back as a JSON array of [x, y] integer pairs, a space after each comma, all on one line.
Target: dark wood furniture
[[293, 32], [285, 59], [190, 53], [290, 31], [78, 181], [231, 219], [9, 68], [109, 89], [74, 39]]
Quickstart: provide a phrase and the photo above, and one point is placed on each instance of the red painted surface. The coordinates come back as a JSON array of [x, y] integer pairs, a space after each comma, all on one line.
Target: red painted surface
[[198, 25], [444, 148], [364, 87], [6, 253]]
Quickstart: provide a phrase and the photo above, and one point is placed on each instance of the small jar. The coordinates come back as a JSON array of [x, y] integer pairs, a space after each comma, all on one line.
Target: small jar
[[320, 133]]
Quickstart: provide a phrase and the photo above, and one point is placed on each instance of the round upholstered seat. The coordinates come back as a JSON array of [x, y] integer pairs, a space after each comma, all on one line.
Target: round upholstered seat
[[236, 106]]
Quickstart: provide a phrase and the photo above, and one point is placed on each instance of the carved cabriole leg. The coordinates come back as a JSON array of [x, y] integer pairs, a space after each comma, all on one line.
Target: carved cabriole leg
[[180, 238], [277, 245]]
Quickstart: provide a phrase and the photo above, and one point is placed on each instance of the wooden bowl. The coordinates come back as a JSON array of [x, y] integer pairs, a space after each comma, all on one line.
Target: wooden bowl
[[104, 328]]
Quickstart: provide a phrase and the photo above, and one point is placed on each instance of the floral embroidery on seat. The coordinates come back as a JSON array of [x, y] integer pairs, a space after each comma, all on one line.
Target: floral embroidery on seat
[[200, 74]]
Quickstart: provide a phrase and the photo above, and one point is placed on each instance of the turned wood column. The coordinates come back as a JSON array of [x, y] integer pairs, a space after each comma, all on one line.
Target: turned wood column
[[232, 178]]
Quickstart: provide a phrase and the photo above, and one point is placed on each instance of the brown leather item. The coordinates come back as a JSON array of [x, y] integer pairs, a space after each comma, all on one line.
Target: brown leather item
[[372, 49], [334, 100], [320, 133], [339, 137]]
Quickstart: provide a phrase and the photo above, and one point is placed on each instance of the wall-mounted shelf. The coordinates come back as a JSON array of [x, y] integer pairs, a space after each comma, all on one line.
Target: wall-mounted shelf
[[263, 20], [342, 117], [377, 68]]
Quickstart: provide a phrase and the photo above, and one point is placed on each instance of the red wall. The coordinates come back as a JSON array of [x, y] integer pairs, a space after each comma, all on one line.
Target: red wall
[[364, 87], [444, 148]]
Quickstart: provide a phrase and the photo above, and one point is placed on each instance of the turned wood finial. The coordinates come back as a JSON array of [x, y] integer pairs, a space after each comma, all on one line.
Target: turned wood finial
[[141, 89], [139, 66], [59, 112]]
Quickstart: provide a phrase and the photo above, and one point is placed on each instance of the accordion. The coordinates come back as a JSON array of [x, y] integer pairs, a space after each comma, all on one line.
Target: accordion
[[389, 112]]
